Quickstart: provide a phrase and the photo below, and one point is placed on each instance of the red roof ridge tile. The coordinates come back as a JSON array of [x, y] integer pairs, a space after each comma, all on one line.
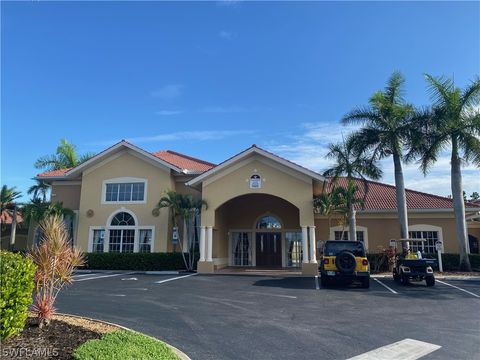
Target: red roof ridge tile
[[186, 156]]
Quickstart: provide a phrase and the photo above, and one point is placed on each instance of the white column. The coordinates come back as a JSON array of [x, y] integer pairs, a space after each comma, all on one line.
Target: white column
[[313, 251], [305, 244], [202, 243], [209, 243]]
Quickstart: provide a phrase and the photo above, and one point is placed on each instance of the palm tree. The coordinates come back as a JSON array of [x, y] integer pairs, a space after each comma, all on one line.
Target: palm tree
[[38, 190], [7, 204], [455, 125], [188, 210], [351, 163], [328, 203], [65, 157], [347, 199]]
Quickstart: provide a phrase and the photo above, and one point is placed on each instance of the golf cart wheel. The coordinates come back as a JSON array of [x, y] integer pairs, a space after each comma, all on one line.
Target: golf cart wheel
[[324, 281], [396, 277], [430, 281], [404, 279], [365, 282]]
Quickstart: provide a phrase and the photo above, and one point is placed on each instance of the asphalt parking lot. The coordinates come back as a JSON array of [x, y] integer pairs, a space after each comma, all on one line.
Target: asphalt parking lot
[[266, 317]]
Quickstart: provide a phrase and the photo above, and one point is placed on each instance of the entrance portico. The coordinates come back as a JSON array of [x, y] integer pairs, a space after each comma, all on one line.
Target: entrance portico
[[259, 213]]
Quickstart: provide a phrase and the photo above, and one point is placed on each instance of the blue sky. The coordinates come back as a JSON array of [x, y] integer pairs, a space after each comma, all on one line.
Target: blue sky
[[211, 78]]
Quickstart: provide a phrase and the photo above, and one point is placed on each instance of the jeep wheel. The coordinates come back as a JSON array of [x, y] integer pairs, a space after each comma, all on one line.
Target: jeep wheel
[[404, 279], [430, 280], [365, 282], [324, 281], [346, 262]]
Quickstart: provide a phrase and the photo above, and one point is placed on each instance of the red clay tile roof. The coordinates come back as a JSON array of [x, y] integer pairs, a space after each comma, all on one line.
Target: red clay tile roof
[[59, 172], [6, 217], [383, 197], [184, 162]]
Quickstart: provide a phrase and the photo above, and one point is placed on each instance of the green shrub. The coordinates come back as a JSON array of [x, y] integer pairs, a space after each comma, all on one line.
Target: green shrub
[[124, 345], [451, 262], [16, 286], [134, 261]]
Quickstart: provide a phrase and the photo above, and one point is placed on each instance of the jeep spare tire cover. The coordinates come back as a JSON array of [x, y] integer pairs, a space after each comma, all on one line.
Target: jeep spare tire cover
[[346, 262]]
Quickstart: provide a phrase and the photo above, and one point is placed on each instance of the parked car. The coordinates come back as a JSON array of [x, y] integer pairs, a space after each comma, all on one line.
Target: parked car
[[412, 267], [345, 261]]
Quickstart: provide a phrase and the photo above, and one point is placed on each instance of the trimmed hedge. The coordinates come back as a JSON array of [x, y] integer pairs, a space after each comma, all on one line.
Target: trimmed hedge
[[451, 262], [134, 261], [17, 274]]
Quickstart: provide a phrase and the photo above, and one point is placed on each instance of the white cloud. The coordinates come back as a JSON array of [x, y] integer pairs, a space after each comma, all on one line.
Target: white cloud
[[231, 109], [227, 35], [168, 112], [167, 92], [310, 147], [203, 135]]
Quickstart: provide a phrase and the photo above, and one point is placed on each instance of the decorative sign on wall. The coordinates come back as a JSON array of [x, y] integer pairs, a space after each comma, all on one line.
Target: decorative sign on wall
[[255, 182]]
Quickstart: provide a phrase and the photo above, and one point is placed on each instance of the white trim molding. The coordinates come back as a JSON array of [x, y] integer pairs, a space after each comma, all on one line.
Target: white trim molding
[[427, 227], [345, 228]]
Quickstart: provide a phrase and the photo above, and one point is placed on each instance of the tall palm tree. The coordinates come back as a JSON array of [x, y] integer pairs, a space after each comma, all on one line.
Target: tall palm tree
[[66, 156], [386, 130], [455, 125], [348, 198], [8, 197], [8, 204], [39, 190], [351, 163]]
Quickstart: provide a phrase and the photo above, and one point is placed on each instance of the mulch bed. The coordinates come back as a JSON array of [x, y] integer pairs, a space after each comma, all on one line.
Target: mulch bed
[[55, 341]]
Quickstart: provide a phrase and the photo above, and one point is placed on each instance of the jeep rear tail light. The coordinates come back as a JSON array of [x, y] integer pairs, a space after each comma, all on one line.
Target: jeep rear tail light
[[326, 261], [364, 262]]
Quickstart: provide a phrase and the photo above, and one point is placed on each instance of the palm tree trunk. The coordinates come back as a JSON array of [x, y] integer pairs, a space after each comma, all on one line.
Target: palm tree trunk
[[13, 229], [459, 207], [352, 223], [401, 198]]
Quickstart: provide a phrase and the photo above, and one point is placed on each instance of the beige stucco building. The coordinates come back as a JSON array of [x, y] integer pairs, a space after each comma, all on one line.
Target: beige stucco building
[[259, 208]]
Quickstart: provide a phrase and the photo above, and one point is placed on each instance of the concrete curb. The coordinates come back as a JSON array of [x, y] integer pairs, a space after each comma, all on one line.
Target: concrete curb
[[166, 272], [181, 355]]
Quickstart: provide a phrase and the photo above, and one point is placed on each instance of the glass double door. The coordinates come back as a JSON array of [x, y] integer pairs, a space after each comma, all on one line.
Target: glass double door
[[269, 249]]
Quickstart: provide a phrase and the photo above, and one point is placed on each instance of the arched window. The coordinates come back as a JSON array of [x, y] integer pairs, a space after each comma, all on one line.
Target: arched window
[[123, 219], [268, 222]]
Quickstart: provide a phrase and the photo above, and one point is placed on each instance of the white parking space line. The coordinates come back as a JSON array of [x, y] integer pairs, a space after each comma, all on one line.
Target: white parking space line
[[101, 276], [459, 288], [175, 278], [317, 286], [78, 275], [385, 286], [407, 349]]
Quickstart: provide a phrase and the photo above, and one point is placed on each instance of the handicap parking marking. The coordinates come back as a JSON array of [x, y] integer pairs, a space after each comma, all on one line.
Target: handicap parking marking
[[99, 276], [385, 286], [458, 288], [407, 349], [175, 278]]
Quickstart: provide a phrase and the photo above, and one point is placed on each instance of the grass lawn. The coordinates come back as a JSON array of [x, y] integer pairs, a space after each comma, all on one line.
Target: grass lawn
[[124, 345]]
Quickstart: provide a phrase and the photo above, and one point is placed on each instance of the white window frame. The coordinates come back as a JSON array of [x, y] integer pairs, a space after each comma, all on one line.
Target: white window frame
[[108, 227], [345, 229], [427, 227], [124, 180]]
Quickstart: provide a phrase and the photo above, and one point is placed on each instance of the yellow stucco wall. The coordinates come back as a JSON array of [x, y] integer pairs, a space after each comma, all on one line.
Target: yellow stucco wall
[[69, 195], [126, 165], [277, 180]]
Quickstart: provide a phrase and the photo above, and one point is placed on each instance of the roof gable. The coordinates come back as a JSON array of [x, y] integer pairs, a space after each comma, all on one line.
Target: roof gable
[[173, 160], [254, 149]]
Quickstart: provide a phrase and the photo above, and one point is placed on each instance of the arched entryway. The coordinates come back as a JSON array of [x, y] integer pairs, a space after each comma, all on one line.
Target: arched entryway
[[257, 230]]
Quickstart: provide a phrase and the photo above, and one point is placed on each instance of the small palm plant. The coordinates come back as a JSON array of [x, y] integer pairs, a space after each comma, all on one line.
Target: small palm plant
[[56, 260]]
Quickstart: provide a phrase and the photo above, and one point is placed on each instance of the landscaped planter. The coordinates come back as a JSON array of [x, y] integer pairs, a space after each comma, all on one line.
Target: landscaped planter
[[76, 337]]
